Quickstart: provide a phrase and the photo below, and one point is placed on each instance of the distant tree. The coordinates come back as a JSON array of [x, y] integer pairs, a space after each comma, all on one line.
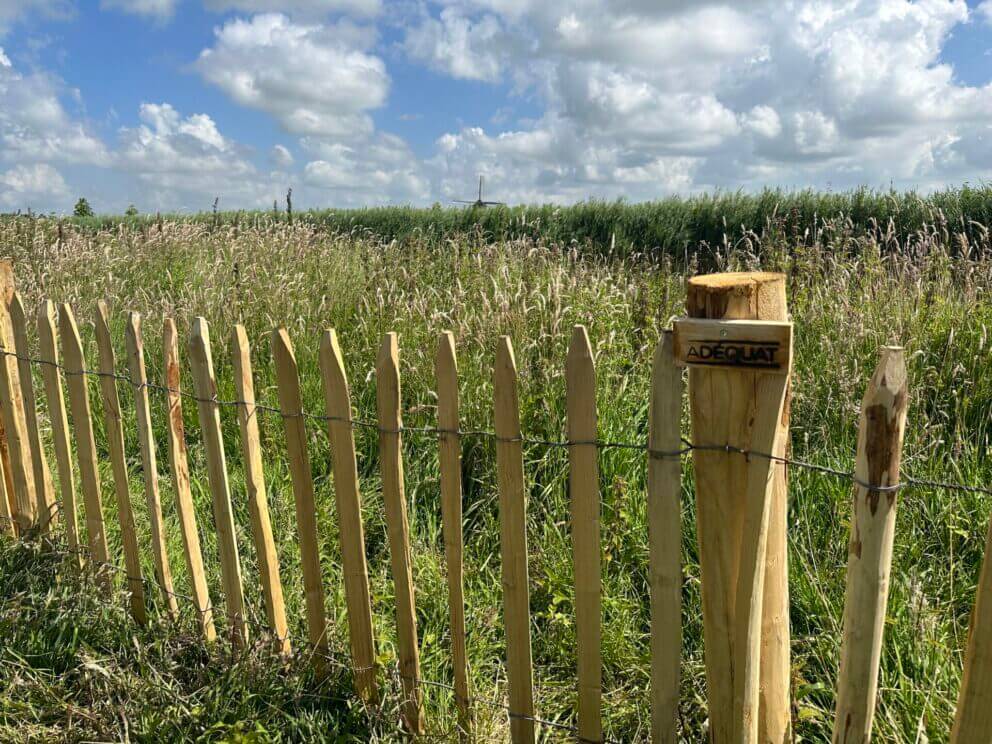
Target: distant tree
[[132, 211], [82, 208]]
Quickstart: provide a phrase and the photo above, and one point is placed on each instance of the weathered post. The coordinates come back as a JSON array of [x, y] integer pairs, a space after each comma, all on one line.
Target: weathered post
[[737, 343]]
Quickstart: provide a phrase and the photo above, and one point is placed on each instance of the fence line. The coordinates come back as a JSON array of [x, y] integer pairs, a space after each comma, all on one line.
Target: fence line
[[664, 445]]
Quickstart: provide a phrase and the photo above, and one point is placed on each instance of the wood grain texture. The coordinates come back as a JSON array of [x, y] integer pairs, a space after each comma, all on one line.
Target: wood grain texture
[[46, 510], [450, 462], [583, 487], [205, 386], [291, 404], [973, 716], [21, 468], [51, 376], [664, 486], [748, 693], [394, 499], [10, 507], [118, 461], [337, 398], [869, 560], [149, 462], [82, 427], [258, 502], [513, 543], [179, 467]]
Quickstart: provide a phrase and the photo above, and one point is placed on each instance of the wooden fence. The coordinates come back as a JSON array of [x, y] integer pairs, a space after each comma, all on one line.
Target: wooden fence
[[746, 634]]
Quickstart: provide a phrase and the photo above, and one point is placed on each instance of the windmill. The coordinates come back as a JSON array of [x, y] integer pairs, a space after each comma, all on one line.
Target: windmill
[[479, 202]]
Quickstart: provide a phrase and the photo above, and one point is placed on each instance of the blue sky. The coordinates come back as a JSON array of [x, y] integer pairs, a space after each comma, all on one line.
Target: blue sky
[[168, 104]]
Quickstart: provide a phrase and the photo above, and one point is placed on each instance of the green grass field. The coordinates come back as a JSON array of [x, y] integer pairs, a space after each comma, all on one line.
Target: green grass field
[[74, 668]]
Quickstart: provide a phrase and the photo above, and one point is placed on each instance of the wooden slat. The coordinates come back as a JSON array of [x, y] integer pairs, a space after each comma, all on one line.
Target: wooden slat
[[82, 428], [149, 462], [450, 461], [973, 717], [387, 390], [15, 426], [258, 503], [205, 386], [118, 462], [880, 435], [45, 507], [349, 504], [513, 543], [665, 539], [291, 404], [51, 375], [10, 503], [8, 525], [583, 486], [179, 467]]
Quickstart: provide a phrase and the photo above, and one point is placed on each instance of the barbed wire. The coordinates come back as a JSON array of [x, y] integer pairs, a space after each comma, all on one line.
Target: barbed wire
[[688, 446]]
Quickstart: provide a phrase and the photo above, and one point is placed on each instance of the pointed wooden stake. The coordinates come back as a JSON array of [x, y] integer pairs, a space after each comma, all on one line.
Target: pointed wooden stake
[[880, 435]]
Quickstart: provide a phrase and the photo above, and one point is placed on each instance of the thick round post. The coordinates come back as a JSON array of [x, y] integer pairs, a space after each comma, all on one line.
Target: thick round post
[[258, 502], [291, 404], [450, 461], [149, 461], [82, 428], [205, 386], [665, 540], [337, 398], [973, 718], [51, 376], [179, 468], [744, 690], [869, 560], [513, 544], [583, 487], [387, 377], [118, 462], [44, 488]]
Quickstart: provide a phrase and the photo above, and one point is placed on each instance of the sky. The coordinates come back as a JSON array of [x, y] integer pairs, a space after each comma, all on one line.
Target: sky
[[171, 104]]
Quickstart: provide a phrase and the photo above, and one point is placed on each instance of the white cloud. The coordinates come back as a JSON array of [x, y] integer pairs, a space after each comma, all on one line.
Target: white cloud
[[22, 184], [316, 80], [158, 9], [12, 11], [305, 9], [460, 47], [281, 156], [985, 11]]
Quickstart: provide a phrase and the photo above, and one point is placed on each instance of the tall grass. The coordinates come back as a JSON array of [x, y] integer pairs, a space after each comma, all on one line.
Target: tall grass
[[852, 288]]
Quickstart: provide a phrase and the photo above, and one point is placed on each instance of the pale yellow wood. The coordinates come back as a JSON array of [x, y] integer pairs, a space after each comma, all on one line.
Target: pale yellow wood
[[8, 525], [6, 294], [149, 462], [15, 425], [869, 561], [179, 467], [513, 543], [82, 427], [394, 499], [51, 375], [665, 539], [973, 718], [450, 461], [337, 398], [736, 504], [205, 386], [291, 404], [45, 507], [118, 462], [258, 503], [583, 487], [732, 344]]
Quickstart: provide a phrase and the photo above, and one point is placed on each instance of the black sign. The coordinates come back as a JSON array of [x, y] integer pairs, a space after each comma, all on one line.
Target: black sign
[[722, 353]]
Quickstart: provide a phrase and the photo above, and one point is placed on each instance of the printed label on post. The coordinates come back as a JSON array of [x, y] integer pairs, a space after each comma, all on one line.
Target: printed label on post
[[734, 344]]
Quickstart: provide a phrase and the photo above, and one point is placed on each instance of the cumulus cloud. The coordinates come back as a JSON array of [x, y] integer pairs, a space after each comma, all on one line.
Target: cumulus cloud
[[461, 47], [12, 11], [315, 80], [22, 184], [307, 9], [281, 156]]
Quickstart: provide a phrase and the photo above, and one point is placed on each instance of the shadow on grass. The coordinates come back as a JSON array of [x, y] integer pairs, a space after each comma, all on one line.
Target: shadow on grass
[[75, 667]]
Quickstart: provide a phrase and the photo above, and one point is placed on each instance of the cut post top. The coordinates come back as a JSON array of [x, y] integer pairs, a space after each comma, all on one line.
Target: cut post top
[[744, 295]]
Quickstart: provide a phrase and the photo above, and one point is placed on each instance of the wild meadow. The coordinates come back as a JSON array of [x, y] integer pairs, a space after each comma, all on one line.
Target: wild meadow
[[74, 667]]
